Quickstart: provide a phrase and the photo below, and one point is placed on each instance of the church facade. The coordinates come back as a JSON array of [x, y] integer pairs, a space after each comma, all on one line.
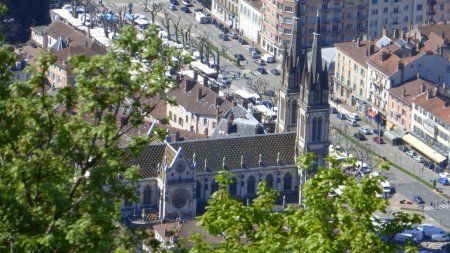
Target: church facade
[[178, 178]]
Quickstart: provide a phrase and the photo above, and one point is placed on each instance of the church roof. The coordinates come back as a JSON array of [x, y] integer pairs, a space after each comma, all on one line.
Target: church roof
[[215, 150]]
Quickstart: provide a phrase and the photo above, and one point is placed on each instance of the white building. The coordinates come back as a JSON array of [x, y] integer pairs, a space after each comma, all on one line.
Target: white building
[[227, 11], [395, 14], [250, 18]]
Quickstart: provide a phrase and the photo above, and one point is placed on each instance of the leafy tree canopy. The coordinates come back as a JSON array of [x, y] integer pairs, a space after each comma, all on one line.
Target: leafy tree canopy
[[329, 222], [62, 179]]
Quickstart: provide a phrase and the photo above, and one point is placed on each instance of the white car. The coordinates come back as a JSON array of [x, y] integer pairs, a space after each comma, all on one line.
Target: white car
[[444, 174], [418, 159], [365, 130], [353, 116], [439, 238], [411, 153]]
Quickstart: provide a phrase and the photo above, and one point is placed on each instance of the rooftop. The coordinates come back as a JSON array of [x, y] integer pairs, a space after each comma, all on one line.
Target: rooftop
[[408, 91], [359, 53], [438, 105]]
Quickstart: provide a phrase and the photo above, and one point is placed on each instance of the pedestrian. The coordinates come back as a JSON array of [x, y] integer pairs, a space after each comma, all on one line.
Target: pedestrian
[[247, 62]]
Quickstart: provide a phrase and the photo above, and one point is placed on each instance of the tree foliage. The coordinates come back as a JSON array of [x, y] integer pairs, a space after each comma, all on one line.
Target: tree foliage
[[62, 179], [329, 222]]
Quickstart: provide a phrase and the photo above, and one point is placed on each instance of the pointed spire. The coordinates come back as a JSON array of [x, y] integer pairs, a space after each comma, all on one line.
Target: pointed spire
[[316, 60]]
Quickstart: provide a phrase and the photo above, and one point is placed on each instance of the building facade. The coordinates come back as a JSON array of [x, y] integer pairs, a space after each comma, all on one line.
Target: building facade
[[397, 15], [226, 11], [250, 19], [438, 11], [340, 21]]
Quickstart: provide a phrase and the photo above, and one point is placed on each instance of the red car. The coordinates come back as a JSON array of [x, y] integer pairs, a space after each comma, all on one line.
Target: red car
[[378, 140]]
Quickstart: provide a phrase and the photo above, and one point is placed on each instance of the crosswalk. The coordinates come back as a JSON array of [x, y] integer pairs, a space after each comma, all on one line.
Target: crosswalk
[[436, 207]]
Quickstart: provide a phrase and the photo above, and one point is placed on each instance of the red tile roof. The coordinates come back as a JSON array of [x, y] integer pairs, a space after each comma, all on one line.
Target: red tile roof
[[357, 53], [435, 105], [411, 89]]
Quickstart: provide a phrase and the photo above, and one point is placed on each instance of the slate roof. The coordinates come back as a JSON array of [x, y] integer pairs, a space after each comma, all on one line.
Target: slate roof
[[214, 150], [206, 105], [39, 29], [250, 147]]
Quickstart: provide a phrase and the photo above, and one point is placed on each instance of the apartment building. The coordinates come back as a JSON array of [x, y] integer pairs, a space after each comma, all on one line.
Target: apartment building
[[250, 19], [397, 15], [226, 11], [399, 61], [340, 21], [350, 82], [399, 112], [431, 124], [438, 11]]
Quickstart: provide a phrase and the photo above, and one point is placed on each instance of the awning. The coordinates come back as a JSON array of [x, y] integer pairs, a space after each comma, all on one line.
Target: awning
[[424, 148], [390, 124], [390, 136], [372, 113]]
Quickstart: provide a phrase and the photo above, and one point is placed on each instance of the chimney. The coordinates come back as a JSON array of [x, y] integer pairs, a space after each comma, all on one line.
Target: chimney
[[402, 34], [429, 94], [215, 88], [367, 52], [44, 40], [195, 75], [384, 31], [217, 115], [230, 127], [371, 48], [384, 56], [442, 34], [435, 91], [365, 37], [400, 67], [200, 94], [189, 85], [403, 93], [418, 75], [219, 101], [422, 88], [205, 81], [395, 33], [358, 42]]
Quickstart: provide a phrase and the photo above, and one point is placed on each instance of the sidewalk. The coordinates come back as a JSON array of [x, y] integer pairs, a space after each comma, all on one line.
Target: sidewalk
[[388, 150]]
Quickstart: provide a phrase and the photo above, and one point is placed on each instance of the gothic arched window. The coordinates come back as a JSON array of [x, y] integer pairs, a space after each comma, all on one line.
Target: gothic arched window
[[294, 112], [147, 196], [198, 190], [287, 186], [269, 180], [314, 127], [319, 129], [251, 185], [233, 187], [214, 187]]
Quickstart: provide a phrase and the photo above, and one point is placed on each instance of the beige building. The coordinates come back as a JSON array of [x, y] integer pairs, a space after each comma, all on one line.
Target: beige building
[[400, 102], [340, 21], [199, 108], [226, 11], [395, 15], [438, 11], [350, 82]]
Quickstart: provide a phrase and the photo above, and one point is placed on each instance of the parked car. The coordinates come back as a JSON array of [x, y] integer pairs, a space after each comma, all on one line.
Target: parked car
[[365, 130], [403, 148], [224, 37], [254, 49], [233, 36], [353, 116], [352, 122], [378, 140], [260, 62], [333, 110], [174, 2], [242, 41], [186, 9], [275, 72], [186, 2], [224, 80], [359, 136], [444, 174], [239, 57], [340, 116], [428, 165], [443, 181], [438, 169], [418, 200], [172, 7], [411, 153], [255, 55], [439, 238], [378, 132], [418, 158], [260, 71]]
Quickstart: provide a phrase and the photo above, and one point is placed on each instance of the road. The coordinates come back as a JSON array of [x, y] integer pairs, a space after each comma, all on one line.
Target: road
[[405, 185], [232, 47]]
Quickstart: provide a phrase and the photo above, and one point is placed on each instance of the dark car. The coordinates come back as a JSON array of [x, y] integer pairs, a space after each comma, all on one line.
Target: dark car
[[260, 62], [239, 57], [341, 116], [275, 72], [378, 132], [226, 30], [259, 71], [403, 148], [359, 136], [333, 110], [378, 140], [242, 41], [174, 2], [224, 37], [428, 165], [221, 26], [186, 9], [418, 200], [254, 49]]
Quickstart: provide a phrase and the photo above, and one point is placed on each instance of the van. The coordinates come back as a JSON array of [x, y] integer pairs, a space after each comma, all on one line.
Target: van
[[403, 237], [352, 122], [417, 234], [268, 58], [429, 230]]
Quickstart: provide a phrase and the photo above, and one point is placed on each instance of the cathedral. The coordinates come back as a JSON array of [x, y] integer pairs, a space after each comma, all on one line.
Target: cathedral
[[178, 178]]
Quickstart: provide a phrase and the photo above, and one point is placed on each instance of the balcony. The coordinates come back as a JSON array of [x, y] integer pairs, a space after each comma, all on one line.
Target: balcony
[[431, 12], [362, 17], [361, 6], [431, 2]]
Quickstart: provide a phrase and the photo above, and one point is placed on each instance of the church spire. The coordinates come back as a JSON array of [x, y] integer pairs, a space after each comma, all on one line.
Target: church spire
[[316, 60]]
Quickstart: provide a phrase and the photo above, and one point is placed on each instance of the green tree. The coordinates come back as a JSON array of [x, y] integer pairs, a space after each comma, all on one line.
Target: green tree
[[329, 222], [62, 179]]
